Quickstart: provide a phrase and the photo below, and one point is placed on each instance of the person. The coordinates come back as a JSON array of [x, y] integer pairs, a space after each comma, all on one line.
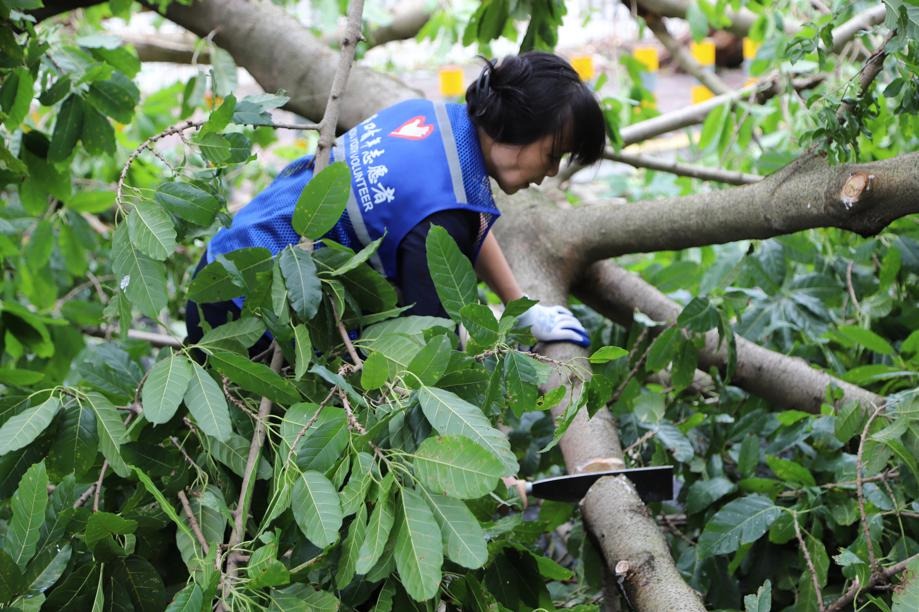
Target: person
[[419, 163]]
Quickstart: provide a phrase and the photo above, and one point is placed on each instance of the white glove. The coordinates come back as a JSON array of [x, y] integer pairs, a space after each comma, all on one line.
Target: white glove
[[554, 324]]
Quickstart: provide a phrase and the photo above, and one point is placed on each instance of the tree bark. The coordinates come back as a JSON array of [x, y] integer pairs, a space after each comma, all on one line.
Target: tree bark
[[252, 32], [782, 380]]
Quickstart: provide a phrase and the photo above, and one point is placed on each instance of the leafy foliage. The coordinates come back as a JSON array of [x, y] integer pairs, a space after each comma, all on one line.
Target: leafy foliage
[[380, 486]]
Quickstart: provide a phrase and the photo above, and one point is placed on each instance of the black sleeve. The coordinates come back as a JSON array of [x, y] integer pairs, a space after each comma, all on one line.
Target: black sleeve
[[414, 281]]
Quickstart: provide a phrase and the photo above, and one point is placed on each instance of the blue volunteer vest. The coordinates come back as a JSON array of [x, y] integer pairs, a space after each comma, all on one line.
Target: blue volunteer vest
[[407, 162]]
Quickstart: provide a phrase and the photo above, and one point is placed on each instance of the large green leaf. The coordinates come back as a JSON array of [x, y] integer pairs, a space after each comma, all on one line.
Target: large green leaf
[[100, 525], [321, 444], [739, 522], [303, 347], [115, 97], [215, 284], [165, 387], [188, 202], [111, 431], [430, 363], [304, 289], [67, 129], [234, 453], [316, 508], [207, 404], [241, 333], [255, 377], [20, 430], [906, 596], [456, 466], [11, 580], [449, 414], [141, 580], [453, 276], [322, 201], [28, 515], [22, 97], [351, 548], [47, 566], [151, 230], [376, 536], [463, 537], [142, 279], [189, 599], [75, 443], [418, 551], [98, 135]]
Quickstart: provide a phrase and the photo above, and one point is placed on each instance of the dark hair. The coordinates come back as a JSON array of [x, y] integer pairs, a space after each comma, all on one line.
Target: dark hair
[[524, 97]]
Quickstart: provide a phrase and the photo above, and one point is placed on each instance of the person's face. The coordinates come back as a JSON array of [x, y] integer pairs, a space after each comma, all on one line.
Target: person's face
[[515, 167]]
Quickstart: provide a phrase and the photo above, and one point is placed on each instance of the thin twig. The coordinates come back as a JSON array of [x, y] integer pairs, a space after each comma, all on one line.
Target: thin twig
[[638, 160], [99, 485], [241, 513], [857, 587], [84, 497], [345, 59], [682, 57], [860, 493], [353, 423], [193, 523], [810, 563], [868, 74]]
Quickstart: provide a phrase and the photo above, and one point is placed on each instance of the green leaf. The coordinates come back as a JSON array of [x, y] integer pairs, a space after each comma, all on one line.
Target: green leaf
[[418, 551], [142, 279], [20, 430], [189, 599], [221, 117], [98, 135], [67, 129], [520, 378], [76, 442], [162, 501], [453, 276], [359, 258], [188, 202], [739, 522], [906, 595], [748, 457], [166, 385], [303, 348], [47, 566], [761, 601], [111, 431], [242, 333], [713, 126], [91, 201], [27, 506], [18, 110], [456, 466], [481, 324], [675, 441], [430, 363], [100, 525], [316, 508], [11, 581], [214, 284], [463, 538], [698, 316], [207, 404], [322, 201], [449, 414], [377, 534], [234, 454], [606, 354], [151, 230], [790, 471], [141, 580], [40, 246], [703, 493], [115, 97], [304, 289], [351, 547], [255, 377], [866, 338], [17, 377], [663, 349]]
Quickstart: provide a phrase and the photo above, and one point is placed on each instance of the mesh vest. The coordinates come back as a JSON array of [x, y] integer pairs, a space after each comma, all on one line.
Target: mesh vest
[[407, 162]]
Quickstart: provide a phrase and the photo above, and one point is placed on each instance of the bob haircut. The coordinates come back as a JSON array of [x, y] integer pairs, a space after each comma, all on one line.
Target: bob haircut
[[524, 97]]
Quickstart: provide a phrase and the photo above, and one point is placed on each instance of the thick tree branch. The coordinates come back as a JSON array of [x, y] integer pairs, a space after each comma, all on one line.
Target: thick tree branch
[[781, 380], [249, 32], [808, 193]]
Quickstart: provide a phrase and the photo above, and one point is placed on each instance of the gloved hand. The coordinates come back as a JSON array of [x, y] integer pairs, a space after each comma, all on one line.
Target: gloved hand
[[554, 324]]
